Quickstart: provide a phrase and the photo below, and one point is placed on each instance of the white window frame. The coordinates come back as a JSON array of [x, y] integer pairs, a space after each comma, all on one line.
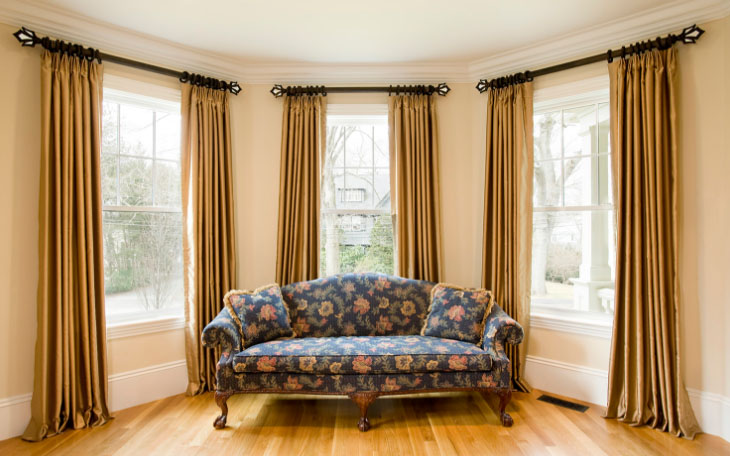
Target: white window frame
[[161, 99], [561, 97], [365, 114]]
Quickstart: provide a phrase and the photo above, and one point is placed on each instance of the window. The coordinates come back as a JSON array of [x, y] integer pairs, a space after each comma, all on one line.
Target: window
[[142, 216], [357, 232], [573, 248]]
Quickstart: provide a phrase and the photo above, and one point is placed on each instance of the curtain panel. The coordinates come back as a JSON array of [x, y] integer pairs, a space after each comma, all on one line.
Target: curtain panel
[[645, 383], [414, 184], [70, 383], [303, 138], [507, 239], [209, 235]]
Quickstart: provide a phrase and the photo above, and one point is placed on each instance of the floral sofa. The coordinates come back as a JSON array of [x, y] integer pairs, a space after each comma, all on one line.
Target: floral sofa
[[359, 335]]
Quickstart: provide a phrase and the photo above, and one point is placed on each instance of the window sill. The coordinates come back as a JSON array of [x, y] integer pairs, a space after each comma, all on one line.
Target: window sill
[[584, 323], [119, 330]]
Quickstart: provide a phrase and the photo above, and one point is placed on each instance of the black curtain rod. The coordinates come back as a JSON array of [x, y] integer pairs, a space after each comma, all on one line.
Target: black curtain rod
[[28, 38], [293, 91], [689, 35]]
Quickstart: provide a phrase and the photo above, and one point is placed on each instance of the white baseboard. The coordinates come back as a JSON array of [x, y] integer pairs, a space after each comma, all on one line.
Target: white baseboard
[[712, 411], [591, 385], [148, 384], [579, 382], [126, 389], [14, 415]]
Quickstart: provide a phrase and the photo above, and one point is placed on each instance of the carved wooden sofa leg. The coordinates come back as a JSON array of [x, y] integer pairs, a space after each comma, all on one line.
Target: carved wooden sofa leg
[[363, 400], [504, 397], [220, 399]]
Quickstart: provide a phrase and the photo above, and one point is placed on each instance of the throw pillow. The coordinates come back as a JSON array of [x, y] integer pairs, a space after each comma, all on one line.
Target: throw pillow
[[260, 314], [457, 313]]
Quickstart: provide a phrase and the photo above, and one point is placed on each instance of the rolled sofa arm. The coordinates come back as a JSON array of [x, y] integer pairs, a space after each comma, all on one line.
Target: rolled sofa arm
[[224, 332], [499, 329]]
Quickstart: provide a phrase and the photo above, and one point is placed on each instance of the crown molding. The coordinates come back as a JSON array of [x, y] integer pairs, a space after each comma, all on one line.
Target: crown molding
[[647, 24], [69, 26]]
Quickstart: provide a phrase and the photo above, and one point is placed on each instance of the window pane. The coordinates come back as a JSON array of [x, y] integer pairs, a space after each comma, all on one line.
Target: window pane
[[336, 136], [579, 130], [547, 130], [359, 183], [573, 254], [109, 165], [547, 183], [167, 184], [167, 136], [142, 262], [135, 130], [359, 147], [382, 189], [135, 181], [333, 185], [604, 147], [578, 183], [556, 257], [382, 157], [356, 243], [110, 128]]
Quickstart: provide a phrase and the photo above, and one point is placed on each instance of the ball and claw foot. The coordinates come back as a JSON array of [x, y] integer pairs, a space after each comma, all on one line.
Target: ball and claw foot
[[220, 422], [363, 424], [506, 420]]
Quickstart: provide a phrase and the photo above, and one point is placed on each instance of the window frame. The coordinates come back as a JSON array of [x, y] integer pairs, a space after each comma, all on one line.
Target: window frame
[[590, 91], [159, 98], [357, 113]]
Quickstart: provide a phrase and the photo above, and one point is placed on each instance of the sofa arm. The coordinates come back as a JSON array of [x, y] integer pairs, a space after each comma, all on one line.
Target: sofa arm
[[499, 329], [224, 332]]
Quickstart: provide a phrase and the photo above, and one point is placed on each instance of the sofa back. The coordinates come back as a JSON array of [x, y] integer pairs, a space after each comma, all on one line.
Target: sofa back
[[367, 304]]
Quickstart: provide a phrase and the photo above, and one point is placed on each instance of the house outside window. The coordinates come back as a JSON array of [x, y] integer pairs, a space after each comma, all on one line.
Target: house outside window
[[142, 210], [356, 224], [573, 240]]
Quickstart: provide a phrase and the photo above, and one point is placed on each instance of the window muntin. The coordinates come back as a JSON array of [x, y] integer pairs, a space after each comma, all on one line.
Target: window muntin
[[142, 209], [357, 231], [573, 234]]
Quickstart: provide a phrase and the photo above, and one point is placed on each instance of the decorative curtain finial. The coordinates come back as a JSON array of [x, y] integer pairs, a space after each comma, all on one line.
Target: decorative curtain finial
[[26, 37]]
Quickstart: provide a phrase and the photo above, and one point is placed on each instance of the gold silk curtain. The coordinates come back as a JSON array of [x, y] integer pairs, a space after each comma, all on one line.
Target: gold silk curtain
[[507, 240], [209, 236], [303, 139], [70, 384], [414, 184], [644, 384]]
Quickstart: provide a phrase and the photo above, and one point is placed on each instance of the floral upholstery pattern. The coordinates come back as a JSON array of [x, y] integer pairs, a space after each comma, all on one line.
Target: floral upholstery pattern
[[260, 314], [357, 305], [363, 355], [223, 331], [500, 329], [457, 313], [498, 377]]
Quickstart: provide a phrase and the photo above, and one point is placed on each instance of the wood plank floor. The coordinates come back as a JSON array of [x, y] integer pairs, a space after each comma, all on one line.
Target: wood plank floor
[[421, 425]]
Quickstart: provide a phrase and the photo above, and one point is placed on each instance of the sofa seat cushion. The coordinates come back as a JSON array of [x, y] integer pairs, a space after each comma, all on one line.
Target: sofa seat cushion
[[363, 355]]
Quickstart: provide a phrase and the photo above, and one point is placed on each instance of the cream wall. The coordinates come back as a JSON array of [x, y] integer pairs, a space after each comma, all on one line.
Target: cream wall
[[256, 120]]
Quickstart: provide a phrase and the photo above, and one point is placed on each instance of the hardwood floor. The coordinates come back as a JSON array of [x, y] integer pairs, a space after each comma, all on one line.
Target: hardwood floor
[[423, 425]]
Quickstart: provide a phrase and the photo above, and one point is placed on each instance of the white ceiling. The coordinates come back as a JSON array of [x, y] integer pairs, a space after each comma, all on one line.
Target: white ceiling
[[317, 41], [365, 31]]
